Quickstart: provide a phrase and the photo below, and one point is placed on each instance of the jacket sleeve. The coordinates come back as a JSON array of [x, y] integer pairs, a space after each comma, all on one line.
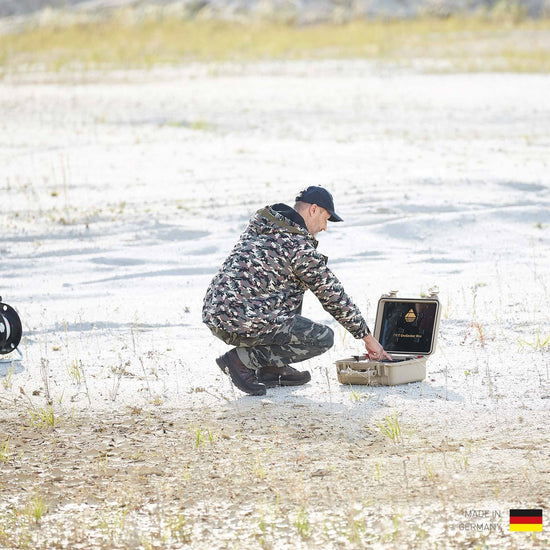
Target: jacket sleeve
[[310, 267]]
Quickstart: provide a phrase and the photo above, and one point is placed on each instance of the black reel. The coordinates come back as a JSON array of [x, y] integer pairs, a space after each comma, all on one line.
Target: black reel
[[10, 329]]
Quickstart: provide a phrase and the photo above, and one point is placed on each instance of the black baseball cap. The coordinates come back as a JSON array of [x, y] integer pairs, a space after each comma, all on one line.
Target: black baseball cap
[[321, 197]]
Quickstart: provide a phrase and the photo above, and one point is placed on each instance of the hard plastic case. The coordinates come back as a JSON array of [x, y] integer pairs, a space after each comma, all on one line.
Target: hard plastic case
[[407, 328]]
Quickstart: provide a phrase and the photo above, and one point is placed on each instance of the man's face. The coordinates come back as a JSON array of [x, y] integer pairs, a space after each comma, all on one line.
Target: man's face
[[318, 219]]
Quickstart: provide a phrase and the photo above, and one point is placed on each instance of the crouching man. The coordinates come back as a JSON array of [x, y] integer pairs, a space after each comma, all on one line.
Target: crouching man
[[254, 301]]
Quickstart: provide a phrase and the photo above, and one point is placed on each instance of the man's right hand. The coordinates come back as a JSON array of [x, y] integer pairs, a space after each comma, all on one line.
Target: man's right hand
[[374, 350]]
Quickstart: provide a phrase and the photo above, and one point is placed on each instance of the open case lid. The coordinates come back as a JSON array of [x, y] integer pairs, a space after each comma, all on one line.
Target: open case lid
[[407, 325]]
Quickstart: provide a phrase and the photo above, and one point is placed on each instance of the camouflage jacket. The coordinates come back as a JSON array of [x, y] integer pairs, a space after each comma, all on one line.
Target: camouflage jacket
[[262, 282]]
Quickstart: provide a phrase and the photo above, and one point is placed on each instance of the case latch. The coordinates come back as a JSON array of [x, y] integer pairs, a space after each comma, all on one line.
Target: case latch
[[433, 291]]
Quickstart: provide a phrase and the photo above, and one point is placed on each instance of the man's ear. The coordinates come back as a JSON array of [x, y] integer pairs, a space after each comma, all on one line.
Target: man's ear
[[313, 209]]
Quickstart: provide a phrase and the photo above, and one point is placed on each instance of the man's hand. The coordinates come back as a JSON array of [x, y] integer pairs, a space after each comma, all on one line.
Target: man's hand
[[374, 349]]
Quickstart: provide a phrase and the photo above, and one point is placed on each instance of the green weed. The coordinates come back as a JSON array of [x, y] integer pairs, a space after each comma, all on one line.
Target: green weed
[[36, 508], [447, 310], [7, 381], [430, 474], [462, 458], [5, 451], [179, 529], [395, 521], [258, 468], [302, 523], [43, 416], [73, 370], [540, 343], [265, 526], [391, 427], [102, 461], [356, 529], [355, 396], [202, 436], [112, 522], [378, 470]]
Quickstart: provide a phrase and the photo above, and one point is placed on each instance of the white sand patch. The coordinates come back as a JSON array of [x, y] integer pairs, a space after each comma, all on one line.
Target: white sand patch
[[121, 197]]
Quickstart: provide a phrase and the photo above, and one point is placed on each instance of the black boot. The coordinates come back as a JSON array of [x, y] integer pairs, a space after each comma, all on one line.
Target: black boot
[[243, 377], [282, 376]]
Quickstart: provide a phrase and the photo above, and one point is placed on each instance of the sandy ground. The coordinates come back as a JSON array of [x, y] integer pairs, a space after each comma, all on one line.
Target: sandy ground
[[121, 195]]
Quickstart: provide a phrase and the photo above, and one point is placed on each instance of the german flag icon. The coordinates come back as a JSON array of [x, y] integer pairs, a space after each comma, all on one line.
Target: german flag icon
[[525, 520]]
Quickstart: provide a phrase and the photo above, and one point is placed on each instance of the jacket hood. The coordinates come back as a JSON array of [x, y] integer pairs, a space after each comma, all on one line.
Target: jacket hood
[[290, 214], [280, 218]]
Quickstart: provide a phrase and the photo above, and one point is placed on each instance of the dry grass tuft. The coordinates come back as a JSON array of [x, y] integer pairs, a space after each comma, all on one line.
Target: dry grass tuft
[[451, 44]]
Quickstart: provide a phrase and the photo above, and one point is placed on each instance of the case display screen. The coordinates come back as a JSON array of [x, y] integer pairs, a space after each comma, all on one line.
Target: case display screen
[[408, 327]]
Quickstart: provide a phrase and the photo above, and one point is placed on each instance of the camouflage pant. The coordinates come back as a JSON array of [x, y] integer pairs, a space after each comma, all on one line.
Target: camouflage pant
[[296, 340]]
